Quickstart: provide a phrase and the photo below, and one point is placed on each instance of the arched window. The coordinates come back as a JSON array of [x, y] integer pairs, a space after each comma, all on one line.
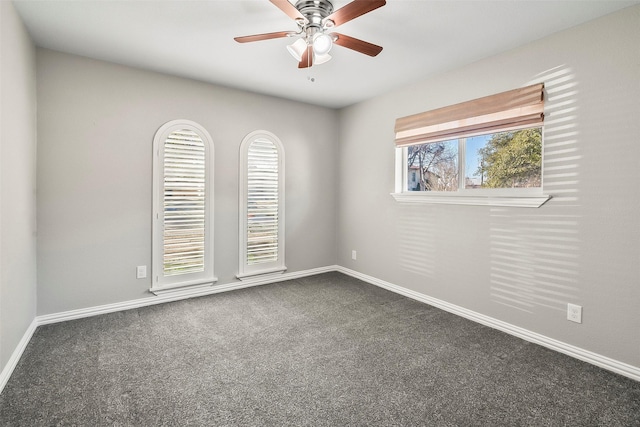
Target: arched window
[[183, 207], [261, 205]]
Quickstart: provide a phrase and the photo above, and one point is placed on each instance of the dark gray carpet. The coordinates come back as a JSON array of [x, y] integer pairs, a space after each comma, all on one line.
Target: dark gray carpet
[[323, 350]]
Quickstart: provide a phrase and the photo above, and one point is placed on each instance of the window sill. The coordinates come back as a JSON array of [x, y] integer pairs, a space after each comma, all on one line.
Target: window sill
[[270, 272], [182, 288], [451, 199]]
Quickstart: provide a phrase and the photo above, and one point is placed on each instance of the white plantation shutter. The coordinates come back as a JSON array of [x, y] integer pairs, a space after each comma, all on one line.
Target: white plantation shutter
[[184, 203], [261, 205], [183, 207], [262, 202]]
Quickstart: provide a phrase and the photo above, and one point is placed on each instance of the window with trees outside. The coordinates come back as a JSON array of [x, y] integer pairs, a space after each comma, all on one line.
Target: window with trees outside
[[182, 239], [487, 151], [510, 159], [261, 205]]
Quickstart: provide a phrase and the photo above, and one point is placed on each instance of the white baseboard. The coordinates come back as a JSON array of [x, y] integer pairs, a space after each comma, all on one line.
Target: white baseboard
[[143, 302], [17, 353], [178, 294], [604, 362]]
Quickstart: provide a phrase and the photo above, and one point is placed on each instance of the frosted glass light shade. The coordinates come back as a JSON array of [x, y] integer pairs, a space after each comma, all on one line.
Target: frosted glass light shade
[[321, 59], [297, 48], [322, 44]]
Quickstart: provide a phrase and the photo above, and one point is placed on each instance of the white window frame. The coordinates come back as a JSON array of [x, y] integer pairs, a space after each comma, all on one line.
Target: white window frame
[[164, 284], [516, 197], [245, 270]]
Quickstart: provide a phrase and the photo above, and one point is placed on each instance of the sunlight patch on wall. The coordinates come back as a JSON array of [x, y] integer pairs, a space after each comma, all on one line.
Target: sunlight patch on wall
[[534, 254], [534, 259], [561, 156], [416, 231]]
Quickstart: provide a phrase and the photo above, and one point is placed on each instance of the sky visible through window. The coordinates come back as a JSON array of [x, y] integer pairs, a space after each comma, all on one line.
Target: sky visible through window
[[473, 159]]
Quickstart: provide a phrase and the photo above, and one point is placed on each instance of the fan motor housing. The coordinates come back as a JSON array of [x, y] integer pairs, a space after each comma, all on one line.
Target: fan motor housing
[[314, 10]]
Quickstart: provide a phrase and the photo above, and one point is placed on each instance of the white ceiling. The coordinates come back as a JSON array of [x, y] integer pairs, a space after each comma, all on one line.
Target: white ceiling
[[194, 39]]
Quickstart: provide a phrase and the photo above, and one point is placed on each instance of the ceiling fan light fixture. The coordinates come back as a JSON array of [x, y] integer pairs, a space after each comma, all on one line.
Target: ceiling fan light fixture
[[315, 18], [321, 59], [297, 48], [322, 43]]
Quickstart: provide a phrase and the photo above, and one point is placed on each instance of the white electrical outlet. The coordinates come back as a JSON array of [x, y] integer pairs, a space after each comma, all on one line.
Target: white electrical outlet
[[354, 255], [574, 313], [141, 271]]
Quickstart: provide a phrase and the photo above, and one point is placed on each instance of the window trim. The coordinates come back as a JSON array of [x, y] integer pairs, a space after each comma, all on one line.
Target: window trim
[[277, 267], [159, 283], [521, 197], [520, 108]]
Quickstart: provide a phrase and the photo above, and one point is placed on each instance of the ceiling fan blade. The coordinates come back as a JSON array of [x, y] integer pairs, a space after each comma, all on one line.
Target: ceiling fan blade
[[353, 10], [307, 58], [288, 8], [357, 44], [265, 36]]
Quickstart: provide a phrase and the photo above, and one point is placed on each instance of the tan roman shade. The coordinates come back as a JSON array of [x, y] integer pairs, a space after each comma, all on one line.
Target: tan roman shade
[[507, 110]]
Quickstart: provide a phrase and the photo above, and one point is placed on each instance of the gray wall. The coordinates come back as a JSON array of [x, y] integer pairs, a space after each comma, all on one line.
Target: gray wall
[[95, 127], [518, 265], [96, 123], [17, 181]]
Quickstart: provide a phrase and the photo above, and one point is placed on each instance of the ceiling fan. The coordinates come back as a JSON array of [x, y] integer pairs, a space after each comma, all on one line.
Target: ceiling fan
[[315, 19]]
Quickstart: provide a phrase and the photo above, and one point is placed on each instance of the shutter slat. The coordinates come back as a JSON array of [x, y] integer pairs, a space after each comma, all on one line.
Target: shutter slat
[[262, 206], [184, 203]]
